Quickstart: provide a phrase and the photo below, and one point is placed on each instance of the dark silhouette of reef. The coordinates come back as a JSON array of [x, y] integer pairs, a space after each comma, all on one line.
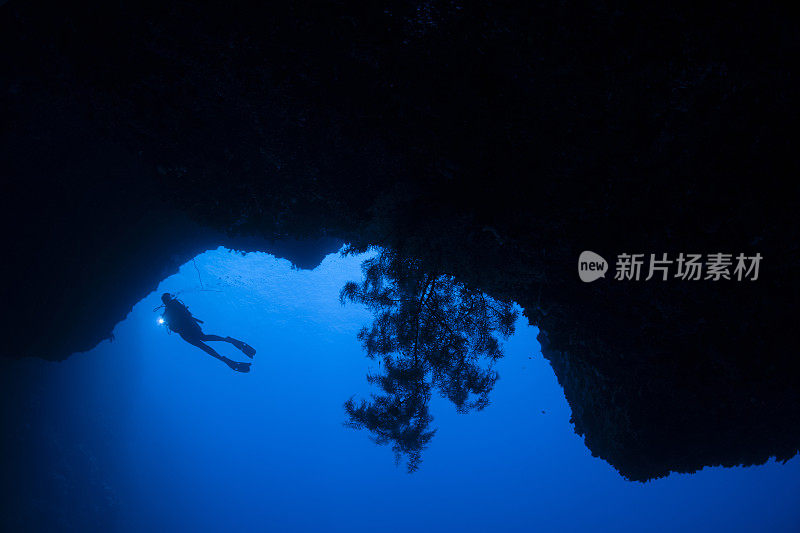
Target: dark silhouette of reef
[[490, 143]]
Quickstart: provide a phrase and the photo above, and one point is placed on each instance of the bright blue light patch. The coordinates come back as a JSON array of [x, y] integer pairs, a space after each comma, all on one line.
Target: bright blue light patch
[[277, 434]]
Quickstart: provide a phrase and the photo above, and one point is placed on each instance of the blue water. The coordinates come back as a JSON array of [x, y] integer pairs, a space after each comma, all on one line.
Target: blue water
[[170, 439]]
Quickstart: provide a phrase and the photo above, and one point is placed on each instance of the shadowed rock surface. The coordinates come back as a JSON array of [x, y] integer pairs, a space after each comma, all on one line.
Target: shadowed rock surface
[[491, 144]]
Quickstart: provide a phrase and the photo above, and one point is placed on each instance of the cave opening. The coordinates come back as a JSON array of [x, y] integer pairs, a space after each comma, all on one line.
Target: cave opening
[[146, 418]]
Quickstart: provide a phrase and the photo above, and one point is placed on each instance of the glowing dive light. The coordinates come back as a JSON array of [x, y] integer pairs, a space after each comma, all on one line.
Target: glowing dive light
[[161, 320]]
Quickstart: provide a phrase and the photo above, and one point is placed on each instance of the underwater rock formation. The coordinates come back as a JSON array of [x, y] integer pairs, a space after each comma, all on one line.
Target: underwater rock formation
[[136, 136]]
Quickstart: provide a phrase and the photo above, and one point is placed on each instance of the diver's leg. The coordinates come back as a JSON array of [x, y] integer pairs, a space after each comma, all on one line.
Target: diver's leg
[[205, 337], [248, 350], [239, 367]]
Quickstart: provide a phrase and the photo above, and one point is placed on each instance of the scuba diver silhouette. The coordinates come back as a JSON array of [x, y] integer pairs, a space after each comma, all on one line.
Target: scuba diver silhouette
[[178, 319]]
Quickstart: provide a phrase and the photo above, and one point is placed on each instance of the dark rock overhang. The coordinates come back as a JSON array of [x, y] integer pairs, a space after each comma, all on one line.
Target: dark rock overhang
[[138, 136]]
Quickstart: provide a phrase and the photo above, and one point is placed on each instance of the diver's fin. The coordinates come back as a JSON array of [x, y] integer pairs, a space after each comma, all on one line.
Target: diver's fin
[[248, 350], [239, 367]]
